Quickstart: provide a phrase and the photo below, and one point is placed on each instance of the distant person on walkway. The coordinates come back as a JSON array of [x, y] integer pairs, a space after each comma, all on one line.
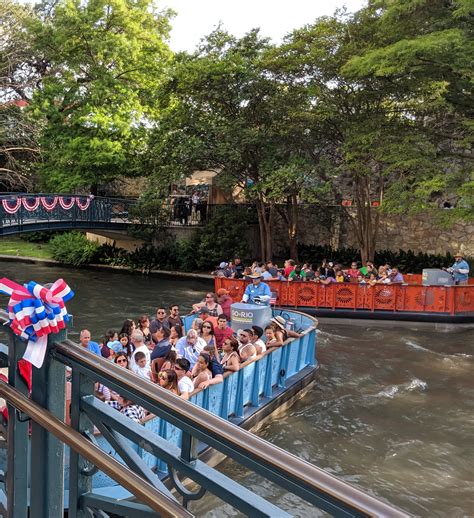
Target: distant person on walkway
[[460, 269], [258, 292], [87, 343]]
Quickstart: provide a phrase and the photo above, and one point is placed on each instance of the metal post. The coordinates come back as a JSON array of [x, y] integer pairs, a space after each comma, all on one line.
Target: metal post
[[47, 463], [79, 482], [18, 425]]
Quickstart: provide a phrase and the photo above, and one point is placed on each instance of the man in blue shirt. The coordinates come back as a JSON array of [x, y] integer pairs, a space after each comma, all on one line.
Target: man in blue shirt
[[258, 292], [85, 341], [460, 269]]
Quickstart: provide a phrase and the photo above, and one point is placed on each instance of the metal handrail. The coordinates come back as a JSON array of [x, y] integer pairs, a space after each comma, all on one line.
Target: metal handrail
[[280, 466], [143, 490]]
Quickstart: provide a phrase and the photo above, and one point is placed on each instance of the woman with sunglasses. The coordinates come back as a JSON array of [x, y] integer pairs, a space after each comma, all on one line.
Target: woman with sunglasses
[[231, 360], [168, 380], [207, 333], [121, 359], [202, 371], [211, 304]]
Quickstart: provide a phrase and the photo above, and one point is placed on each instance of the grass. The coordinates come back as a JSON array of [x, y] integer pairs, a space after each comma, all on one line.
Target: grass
[[16, 246]]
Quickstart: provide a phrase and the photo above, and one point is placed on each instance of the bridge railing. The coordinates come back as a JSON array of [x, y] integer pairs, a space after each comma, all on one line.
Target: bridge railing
[[22, 212], [49, 432]]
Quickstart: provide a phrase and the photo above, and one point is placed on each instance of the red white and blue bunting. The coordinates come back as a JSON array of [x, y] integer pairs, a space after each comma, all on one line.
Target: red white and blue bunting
[[36, 311], [31, 203]]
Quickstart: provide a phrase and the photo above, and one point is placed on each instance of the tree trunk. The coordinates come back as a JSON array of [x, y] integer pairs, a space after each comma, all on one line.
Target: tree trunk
[[293, 226], [366, 222], [265, 220]]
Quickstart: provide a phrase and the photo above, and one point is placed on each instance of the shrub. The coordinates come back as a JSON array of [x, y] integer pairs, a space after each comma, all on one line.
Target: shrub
[[73, 248]]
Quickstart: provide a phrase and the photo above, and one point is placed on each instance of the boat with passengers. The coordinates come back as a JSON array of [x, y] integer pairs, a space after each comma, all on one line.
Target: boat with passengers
[[263, 384], [413, 300]]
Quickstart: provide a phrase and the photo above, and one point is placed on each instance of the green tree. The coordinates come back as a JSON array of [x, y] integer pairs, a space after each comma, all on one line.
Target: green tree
[[104, 61], [225, 111], [424, 57], [19, 72]]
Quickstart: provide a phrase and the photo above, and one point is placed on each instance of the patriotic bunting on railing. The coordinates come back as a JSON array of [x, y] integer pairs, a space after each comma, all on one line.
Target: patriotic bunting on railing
[[31, 207], [49, 202], [66, 202], [36, 311], [11, 206], [32, 203], [83, 203]]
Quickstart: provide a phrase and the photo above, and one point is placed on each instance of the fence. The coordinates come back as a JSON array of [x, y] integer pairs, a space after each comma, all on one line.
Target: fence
[[36, 461], [451, 300]]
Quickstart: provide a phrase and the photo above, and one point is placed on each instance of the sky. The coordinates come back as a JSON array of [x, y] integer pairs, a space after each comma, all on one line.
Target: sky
[[197, 18]]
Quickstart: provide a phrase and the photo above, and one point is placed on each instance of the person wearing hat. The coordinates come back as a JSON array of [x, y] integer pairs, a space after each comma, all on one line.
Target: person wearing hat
[[460, 269], [258, 292], [225, 300]]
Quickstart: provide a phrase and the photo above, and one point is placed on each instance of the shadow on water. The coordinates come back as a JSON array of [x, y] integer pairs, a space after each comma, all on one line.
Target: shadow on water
[[392, 411]]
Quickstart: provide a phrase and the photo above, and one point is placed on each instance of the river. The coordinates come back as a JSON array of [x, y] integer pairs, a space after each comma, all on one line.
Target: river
[[392, 411]]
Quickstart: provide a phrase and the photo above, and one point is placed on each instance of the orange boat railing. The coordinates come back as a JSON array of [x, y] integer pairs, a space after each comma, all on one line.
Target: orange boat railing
[[410, 297]]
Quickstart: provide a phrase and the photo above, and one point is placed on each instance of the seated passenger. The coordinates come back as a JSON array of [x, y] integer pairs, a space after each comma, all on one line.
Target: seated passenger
[[169, 360], [309, 271], [222, 331], [162, 344], [190, 346], [297, 274], [280, 322], [272, 269], [266, 275], [244, 337], [202, 369], [168, 380], [185, 383], [196, 324], [248, 352], [128, 408], [204, 316], [289, 267], [174, 335], [140, 366], [207, 333], [339, 274], [272, 339], [353, 272], [225, 300], [395, 276], [216, 367], [211, 304], [231, 360], [257, 339]]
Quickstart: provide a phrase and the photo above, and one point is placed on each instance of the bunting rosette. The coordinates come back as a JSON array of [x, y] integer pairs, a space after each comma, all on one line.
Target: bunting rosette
[[36, 311]]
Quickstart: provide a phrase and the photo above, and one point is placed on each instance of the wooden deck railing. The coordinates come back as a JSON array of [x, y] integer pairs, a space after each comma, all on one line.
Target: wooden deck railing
[[410, 297]]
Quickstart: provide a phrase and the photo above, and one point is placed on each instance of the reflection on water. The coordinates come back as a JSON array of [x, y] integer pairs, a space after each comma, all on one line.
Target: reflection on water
[[392, 412]]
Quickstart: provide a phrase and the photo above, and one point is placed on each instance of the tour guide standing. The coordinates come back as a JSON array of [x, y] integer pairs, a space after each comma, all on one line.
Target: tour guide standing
[[258, 292], [460, 269]]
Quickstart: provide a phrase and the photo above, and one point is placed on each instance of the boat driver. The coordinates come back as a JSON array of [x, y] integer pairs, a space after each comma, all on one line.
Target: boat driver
[[258, 292], [460, 269]]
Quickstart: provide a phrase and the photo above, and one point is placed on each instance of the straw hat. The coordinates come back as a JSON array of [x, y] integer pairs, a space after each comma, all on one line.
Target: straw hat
[[458, 254], [255, 276], [279, 321]]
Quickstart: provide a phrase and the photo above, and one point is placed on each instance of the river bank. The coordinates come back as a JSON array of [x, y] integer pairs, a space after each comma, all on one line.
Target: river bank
[[105, 267]]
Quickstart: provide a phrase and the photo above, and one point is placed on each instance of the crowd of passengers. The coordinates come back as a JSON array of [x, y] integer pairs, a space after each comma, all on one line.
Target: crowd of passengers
[[159, 350], [327, 272]]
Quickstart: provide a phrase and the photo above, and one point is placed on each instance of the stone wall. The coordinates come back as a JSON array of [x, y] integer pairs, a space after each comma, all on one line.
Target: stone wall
[[420, 233]]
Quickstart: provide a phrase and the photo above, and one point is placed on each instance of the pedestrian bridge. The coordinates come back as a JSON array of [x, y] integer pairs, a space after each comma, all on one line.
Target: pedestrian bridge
[[41, 212]]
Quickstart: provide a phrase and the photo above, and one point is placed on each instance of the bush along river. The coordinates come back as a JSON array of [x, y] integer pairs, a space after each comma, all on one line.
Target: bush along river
[[392, 410]]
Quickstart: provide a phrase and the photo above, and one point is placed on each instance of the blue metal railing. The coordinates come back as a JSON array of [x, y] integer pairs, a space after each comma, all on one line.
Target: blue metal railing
[[128, 440]]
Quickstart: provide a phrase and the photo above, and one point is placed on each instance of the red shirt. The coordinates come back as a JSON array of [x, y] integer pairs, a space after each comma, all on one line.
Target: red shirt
[[222, 334], [287, 271], [353, 273], [225, 301]]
